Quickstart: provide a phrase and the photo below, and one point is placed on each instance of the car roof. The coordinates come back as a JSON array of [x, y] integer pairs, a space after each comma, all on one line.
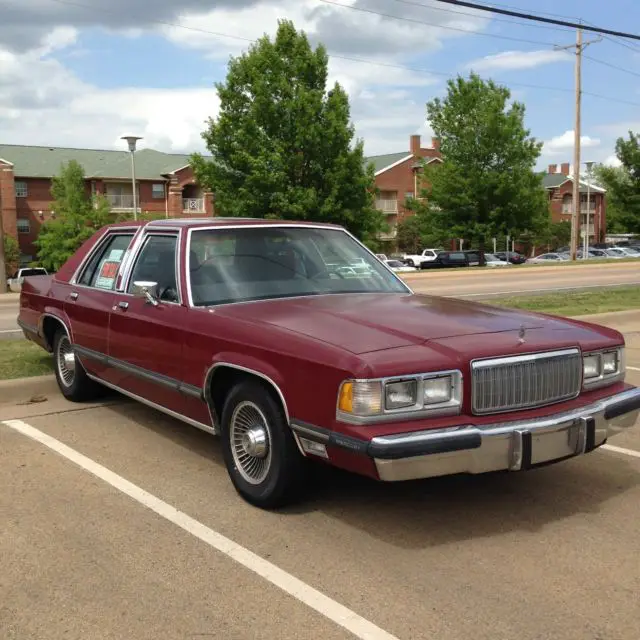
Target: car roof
[[192, 223]]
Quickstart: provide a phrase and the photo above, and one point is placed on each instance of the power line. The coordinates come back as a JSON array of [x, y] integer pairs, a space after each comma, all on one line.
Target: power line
[[437, 26], [613, 66], [539, 18], [376, 63], [475, 15]]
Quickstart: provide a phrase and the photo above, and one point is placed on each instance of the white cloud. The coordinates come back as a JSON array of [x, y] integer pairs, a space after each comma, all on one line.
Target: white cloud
[[510, 60], [42, 102], [612, 161], [560, 145]]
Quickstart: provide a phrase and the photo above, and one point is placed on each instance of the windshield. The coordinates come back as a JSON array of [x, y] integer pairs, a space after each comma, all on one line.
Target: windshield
[[240, 264]]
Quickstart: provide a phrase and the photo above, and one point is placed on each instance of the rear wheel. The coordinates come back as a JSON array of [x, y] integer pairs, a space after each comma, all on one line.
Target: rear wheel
[[72, 379], [260, 453]]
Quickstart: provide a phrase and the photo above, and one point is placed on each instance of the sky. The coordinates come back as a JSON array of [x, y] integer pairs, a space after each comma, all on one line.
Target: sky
[[82, 73]]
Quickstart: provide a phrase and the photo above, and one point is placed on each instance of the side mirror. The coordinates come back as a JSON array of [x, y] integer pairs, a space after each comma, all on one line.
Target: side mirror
[[146, 289]]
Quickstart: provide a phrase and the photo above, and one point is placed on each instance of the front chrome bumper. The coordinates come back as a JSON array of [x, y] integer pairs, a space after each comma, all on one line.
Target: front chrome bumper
[[515, 445]]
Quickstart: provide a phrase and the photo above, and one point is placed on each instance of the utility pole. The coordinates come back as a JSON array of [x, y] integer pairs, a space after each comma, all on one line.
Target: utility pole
[[579, 46]]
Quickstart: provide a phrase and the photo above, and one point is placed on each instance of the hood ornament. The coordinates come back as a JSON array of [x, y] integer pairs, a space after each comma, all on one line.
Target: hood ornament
[[521, 334]]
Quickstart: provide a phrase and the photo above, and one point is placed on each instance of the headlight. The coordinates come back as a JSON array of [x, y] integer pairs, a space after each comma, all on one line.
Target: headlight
[[591, 366], [398, 395], [366, 401], [437, 390], [610, 362], [603, 367]]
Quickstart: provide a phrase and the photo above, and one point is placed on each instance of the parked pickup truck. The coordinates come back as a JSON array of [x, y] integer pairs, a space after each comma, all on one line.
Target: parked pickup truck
[[246, 329], [17, 279], [417, 260]]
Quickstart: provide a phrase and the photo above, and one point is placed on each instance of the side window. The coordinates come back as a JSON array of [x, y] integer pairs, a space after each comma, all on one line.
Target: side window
[[157, 263], [103, 266]]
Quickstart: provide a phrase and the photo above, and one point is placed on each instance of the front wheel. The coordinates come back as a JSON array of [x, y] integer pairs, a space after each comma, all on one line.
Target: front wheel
[[72, 379], [260, 453]]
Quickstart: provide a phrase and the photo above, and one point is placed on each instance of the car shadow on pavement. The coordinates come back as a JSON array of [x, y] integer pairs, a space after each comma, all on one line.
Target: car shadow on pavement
[[425, 513], [436, 511]]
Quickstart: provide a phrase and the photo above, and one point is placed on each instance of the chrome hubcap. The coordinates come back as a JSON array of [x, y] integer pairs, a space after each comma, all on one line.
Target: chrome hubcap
[[250, 442], [66, 361]]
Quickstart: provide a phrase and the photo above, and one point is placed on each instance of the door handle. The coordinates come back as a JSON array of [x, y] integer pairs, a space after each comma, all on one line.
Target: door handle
[[123, 305], [73, 295]]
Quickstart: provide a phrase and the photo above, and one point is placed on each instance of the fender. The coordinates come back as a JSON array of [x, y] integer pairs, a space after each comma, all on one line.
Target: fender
[[249, 364]]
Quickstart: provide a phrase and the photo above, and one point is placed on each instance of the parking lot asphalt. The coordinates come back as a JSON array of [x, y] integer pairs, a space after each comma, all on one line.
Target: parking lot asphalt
[[135, 531]]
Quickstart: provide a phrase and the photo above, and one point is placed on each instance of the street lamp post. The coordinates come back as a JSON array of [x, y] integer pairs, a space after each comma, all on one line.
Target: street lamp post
[[131, 141], [589, 166]]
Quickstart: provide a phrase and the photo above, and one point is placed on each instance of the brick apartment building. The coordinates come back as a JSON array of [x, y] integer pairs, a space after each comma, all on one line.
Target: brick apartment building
[[164, 181], [397, 178], [558, 181]]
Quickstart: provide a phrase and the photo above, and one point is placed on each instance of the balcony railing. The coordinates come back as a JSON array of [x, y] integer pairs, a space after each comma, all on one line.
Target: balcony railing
[[591, 229], [193, 205], [118, 201], [387, 206], [392, 234], [568, 207]]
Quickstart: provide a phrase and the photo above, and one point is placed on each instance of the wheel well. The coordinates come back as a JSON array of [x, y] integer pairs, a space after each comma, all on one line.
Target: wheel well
[[224, 378], [49, 327]]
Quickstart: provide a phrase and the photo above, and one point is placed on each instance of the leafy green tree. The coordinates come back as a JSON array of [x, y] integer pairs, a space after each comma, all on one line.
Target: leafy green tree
[[281, 145], [422, 230], [77, 217], [486, 185], [623, 186], [11, 255]]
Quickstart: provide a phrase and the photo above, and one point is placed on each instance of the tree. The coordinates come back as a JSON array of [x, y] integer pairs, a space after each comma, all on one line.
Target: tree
[[281, 145], [486, 185], [11, 255], [421, 230], [77, 217], [623, 186]]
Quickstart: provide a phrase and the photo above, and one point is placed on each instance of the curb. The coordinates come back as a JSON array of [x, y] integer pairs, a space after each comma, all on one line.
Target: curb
[[21, 390]]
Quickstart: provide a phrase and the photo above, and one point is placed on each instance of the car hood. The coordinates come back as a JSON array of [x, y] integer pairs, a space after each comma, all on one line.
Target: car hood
[[362, 323]]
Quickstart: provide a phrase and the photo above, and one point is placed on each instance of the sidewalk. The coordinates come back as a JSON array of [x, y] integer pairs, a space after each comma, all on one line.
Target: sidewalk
[[9, 298]]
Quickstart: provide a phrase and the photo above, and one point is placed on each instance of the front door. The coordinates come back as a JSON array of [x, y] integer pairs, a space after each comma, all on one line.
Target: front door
[[89, 301], [146, 340]]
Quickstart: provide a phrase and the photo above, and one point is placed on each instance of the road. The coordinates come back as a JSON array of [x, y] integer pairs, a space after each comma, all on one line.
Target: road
[[522, 280], [113, 516]]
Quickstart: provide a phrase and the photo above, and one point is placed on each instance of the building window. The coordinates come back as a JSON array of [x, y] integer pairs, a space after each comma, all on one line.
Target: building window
[[23, 225], [21, 189], [157, 189], [25, 259], [408, 195]]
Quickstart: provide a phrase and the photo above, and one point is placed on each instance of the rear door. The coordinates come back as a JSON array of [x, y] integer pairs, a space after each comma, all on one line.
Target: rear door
[[90, 298]]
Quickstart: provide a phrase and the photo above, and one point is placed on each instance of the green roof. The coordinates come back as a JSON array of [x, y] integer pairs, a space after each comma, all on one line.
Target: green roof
[[45, 162], [380, 162], [554, 180]]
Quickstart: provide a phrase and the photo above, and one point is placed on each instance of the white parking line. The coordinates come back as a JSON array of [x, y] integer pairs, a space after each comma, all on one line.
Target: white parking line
[[334, 611], [626, 452], [10, 330], [634, 368]]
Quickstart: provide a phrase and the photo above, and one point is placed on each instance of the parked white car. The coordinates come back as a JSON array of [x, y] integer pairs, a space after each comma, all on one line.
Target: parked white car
[[548, 258], [16, 280], [494, 261], [416, 260], [623, 252], [399, 267]]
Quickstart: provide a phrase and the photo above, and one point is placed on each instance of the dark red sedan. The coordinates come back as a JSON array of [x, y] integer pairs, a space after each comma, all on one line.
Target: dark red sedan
[[293, 342]]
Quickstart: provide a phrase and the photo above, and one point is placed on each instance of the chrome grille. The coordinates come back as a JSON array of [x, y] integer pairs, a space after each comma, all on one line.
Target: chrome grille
[[524, 382]]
